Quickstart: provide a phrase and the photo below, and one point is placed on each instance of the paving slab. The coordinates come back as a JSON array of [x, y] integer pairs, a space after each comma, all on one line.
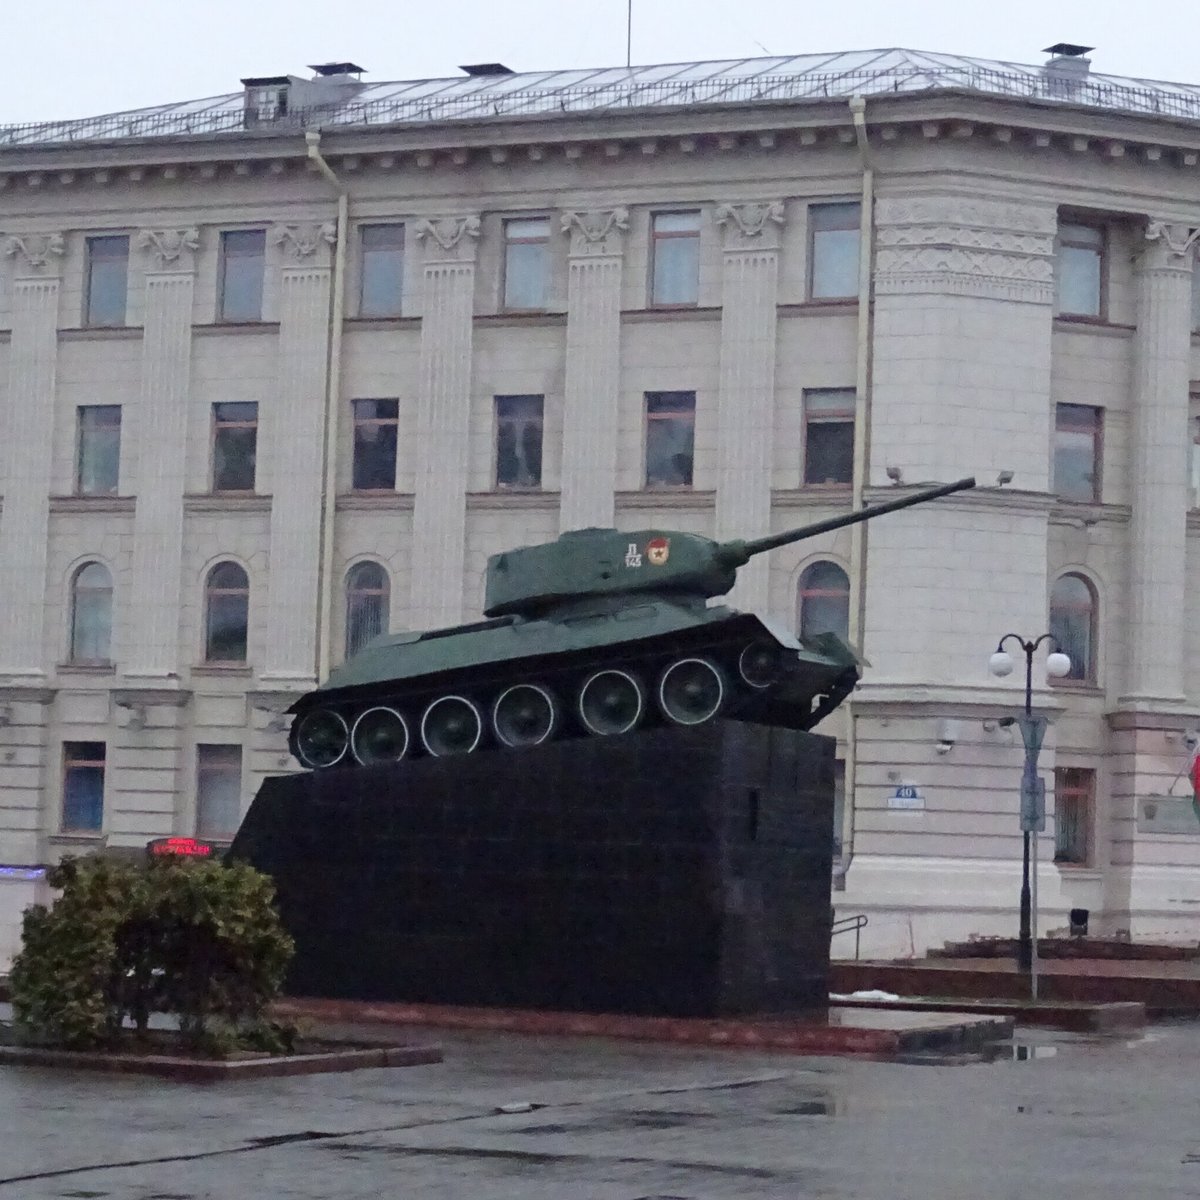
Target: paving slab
[[1081, 1016]]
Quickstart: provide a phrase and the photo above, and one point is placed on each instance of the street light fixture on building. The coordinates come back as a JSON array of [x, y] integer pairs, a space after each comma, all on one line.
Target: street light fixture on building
[[1033, 791]]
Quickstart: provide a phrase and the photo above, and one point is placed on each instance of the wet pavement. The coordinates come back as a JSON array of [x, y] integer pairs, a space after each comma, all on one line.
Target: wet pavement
[[1051, 1115]]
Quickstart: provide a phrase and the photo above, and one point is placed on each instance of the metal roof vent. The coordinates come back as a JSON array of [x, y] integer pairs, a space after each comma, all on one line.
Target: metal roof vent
[[336, 70], [1067, 69], [478, 69]]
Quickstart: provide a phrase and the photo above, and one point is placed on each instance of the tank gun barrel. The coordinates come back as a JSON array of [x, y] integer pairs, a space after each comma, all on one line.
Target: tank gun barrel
[[737, 552]]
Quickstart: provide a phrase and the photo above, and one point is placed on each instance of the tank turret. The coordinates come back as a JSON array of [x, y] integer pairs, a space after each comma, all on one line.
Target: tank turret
[[595, 634]]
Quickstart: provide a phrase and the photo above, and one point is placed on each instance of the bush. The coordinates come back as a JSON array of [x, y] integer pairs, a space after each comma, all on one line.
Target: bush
[[197, 940]]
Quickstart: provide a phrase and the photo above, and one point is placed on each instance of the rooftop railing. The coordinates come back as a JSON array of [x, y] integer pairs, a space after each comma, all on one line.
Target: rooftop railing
[[455, 103]]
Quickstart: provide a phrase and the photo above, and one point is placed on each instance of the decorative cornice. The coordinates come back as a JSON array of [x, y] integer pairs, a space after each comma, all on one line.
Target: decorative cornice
[[596, 230], [454, 237], [35, 251], [745, 224], [170, 249], [965, 246], [302, 241]]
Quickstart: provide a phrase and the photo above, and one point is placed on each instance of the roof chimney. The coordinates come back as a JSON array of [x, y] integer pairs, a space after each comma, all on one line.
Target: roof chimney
[[1067, 68]]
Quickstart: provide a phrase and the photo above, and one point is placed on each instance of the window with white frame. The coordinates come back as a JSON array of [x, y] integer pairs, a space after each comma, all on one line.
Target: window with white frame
[[833, 247], [526, 263], [674, 259], [218, 791], [83, 787], [381, 271], [98, 450], [91, 614], [823, 600], [106, 288], [670, 439], [828, 436]]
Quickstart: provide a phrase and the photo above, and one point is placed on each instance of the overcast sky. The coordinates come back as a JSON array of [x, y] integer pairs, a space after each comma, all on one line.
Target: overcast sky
[[99, 56]]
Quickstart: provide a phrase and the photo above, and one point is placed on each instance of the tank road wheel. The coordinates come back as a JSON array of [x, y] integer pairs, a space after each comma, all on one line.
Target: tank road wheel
[[611, 702], [524, 715], [759, 664], [320, 738], [691, 691], [380, 735], [451, 725]]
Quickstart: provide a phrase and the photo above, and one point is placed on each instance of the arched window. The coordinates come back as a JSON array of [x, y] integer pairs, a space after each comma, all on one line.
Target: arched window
[[824, 600], [367, 592], [1073, 624], [91, 614], [226, 613]]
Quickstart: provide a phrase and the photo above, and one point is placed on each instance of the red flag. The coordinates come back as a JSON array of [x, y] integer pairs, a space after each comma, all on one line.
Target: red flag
[[1194, 773]]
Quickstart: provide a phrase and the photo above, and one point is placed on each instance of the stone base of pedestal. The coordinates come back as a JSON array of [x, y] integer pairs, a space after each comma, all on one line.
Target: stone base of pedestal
[[674, 872]]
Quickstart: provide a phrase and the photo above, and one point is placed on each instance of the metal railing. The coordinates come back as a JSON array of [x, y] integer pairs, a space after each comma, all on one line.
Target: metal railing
[[857, 924], [465, 102]]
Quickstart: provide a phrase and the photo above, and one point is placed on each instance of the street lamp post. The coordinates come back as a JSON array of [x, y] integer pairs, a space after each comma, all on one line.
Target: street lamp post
[[1033, 814]]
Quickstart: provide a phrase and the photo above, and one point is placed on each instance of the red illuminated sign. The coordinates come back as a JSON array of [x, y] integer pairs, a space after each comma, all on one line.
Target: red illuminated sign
[[184, 847]]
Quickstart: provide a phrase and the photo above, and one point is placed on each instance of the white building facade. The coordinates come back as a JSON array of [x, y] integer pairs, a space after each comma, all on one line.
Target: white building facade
[[280, 370]]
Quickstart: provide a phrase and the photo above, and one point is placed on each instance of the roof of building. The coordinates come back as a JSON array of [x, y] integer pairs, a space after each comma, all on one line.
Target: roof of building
[[542, 94]]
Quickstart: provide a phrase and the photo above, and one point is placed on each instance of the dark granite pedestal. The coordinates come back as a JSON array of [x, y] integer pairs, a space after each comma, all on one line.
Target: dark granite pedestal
[[679, 872]]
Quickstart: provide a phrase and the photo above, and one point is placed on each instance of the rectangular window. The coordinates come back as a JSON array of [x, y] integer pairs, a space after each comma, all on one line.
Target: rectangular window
[[670, 427], [218, 791], [1074, 812], [381, 278], [98, 452], [833, 236], [240, 286], [376, 423], [107, 283], [1196, 298], [828, 435], [1081, 270], [526, 262], [675, 258], [83, 787], [235, 443], [1195, 452], [518, 441], [1077, 452]]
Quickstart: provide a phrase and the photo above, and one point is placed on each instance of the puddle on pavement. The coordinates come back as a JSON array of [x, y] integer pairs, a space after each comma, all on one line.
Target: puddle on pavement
[[993, 1052]]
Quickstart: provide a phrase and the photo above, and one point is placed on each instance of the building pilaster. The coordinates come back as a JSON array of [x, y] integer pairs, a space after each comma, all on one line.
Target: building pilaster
[[593, 380], [295, 431], [1159, 469], [746, 399], [28, 452], [443, 421], [160, 452]]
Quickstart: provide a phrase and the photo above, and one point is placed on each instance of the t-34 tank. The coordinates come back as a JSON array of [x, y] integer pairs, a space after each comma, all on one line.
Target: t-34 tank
[[595, 634]]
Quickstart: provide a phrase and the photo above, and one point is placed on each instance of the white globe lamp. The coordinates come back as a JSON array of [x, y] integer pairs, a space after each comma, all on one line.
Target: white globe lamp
[[1001, 664], [1058, 665]]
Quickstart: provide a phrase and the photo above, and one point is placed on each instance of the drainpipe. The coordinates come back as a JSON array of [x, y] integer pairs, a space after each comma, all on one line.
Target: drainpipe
[[333, 392], [862, 409]]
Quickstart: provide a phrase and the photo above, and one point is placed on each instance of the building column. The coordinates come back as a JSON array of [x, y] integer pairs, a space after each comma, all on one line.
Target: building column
[[295, 432], [963, 332], [746, 401], [593, 356], [28, 453], [443, 421], [159, 461], [1159, 476]]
